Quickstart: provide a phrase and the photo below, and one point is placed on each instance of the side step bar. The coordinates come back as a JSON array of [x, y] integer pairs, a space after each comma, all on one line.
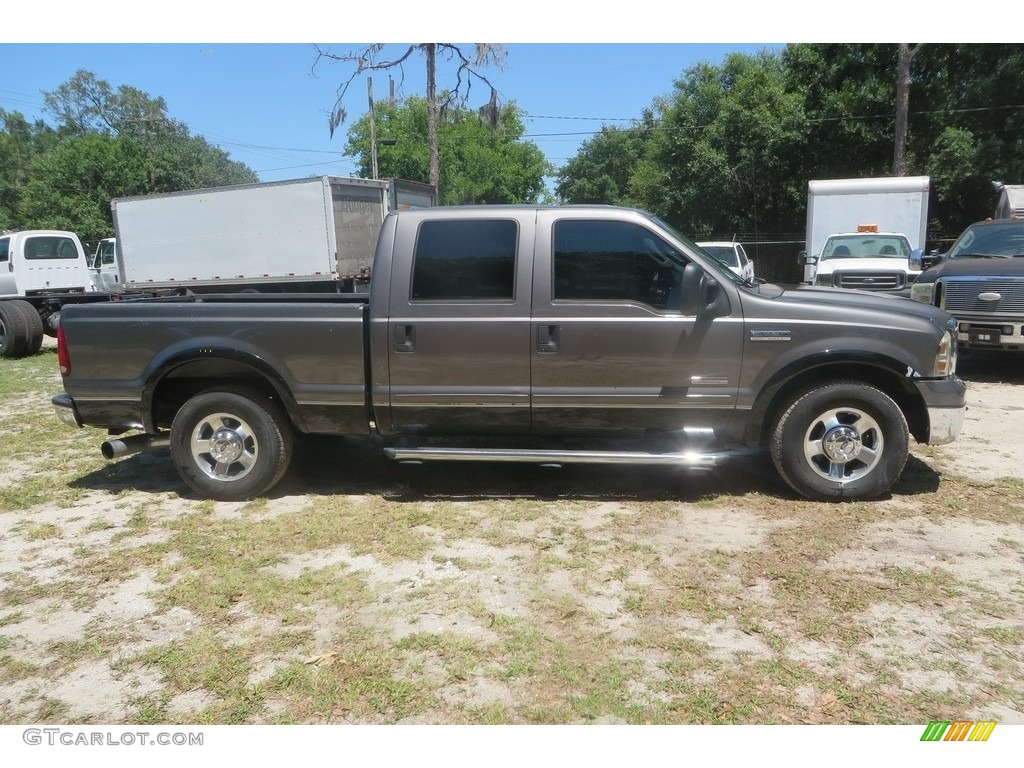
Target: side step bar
[[685, 459]]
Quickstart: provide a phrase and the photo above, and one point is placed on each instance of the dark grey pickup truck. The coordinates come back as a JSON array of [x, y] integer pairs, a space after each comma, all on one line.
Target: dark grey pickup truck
[[533, 334]]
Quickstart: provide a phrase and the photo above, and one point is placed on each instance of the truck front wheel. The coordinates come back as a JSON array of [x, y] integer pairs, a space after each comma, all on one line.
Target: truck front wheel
[[231, 445], [842, 440]]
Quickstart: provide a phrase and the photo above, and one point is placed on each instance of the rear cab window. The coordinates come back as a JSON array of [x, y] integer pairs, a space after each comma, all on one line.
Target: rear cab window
[[44, 247]]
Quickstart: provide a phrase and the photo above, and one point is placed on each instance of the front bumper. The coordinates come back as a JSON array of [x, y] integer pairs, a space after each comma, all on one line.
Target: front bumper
[[946, 401], [990, 333]]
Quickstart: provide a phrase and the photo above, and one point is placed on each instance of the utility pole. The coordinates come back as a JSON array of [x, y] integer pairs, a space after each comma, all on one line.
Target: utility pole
[[373, 129]]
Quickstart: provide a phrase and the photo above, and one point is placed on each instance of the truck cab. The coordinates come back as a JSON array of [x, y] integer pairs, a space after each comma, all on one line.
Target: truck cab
[[103, 269], [42, 261], [867, 260]]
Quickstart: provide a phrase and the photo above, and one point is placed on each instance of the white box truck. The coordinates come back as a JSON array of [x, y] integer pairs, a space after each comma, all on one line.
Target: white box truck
[[863, 233], [312, 234]]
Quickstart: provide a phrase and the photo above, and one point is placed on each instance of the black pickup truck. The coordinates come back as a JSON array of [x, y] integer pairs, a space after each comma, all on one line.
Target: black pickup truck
[[980, 281], [524, 333]]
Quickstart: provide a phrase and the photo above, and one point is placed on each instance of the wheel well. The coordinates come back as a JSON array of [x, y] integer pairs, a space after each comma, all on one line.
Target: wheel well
[[778, 395], [187, 380]]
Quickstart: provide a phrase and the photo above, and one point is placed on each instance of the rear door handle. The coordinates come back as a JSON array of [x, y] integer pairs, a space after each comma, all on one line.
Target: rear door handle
[[547, 339], [404, 338]]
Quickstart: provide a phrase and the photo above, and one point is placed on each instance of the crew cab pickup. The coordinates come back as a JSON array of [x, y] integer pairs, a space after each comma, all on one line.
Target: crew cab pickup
[[524, 333]]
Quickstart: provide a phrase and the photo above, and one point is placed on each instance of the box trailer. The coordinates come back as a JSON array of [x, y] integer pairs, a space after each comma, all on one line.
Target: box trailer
[[313, 234], [1011, 202], [891, 206]]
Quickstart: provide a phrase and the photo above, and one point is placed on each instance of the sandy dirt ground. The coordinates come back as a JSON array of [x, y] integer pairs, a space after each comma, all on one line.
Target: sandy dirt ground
[[414, 595]]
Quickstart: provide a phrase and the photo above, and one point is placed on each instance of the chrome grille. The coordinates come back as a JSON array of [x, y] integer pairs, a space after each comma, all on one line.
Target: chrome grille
[[872, 281], [962, 295]]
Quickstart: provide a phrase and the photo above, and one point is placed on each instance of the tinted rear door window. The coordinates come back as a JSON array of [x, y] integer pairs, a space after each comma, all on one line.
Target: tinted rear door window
[[466, 259]]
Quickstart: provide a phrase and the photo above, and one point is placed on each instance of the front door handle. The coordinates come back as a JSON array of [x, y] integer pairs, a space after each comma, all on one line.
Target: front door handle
[[404, 338], [547, 339]]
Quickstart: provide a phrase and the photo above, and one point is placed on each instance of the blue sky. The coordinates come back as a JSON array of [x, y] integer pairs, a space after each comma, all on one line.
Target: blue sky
[[250, 86], [267, 106]]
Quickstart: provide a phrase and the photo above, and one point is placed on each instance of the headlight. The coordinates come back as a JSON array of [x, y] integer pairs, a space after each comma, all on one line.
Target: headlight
[[924, 292], [823, 279], [945, 357]]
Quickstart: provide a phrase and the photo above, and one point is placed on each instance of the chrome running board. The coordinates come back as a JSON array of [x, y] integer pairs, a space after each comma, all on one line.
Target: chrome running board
[[685, 459]]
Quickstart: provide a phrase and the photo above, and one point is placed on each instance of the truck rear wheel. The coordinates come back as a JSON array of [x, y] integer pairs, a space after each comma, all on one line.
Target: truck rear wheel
[[842, 440], [33, 325], [13, 331], [231, 445]]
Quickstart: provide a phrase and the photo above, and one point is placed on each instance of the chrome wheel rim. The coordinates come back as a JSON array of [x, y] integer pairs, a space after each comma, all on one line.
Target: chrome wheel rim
[[223, 447], [843, 444]]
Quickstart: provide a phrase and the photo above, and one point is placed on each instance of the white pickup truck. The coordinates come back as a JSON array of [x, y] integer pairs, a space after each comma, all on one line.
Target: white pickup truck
[[868, 260]]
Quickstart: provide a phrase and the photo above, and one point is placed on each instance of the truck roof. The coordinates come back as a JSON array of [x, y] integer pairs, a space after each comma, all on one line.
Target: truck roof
[[867, 234]]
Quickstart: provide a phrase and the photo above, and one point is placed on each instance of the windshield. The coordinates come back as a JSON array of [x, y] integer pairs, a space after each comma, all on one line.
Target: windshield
[[724, 253], [1001, 241], [866, 246], [720, 267]]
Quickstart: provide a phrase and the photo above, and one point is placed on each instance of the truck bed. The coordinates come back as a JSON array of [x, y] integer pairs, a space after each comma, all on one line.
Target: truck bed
[[312, 348]]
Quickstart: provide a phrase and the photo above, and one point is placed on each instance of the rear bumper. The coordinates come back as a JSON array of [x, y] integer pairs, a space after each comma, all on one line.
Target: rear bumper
[[946, 401], [66, 409]]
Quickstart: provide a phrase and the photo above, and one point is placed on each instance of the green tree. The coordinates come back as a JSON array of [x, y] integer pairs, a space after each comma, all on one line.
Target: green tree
[[20, 143], [963, 124], [108, 143], [604, 165], [174, 159], [480, 163], [71, 187], [85, 105], [848, 94], [721, 162], [467, 71]]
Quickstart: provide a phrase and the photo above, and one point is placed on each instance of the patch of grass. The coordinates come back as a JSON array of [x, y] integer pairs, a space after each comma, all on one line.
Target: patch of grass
[[12, 670], [1012, 636], [362, 684], [16, 617], [42, 531], [203, 661], [71, 652], [214, 593], [30, 375], [21, 590], [36, 491], [459, 656]]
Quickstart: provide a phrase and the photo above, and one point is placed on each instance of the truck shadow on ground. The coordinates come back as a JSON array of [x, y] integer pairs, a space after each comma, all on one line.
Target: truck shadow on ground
[[991, 367], [324, 466]]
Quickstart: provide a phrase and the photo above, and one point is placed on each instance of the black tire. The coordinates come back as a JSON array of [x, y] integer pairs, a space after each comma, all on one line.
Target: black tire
[[840, 441], [34, 324], [249, 435], [51, 323], [13, 331]]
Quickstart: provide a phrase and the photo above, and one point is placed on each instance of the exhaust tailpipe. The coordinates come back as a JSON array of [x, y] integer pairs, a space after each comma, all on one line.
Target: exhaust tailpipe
[[117, 447]]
